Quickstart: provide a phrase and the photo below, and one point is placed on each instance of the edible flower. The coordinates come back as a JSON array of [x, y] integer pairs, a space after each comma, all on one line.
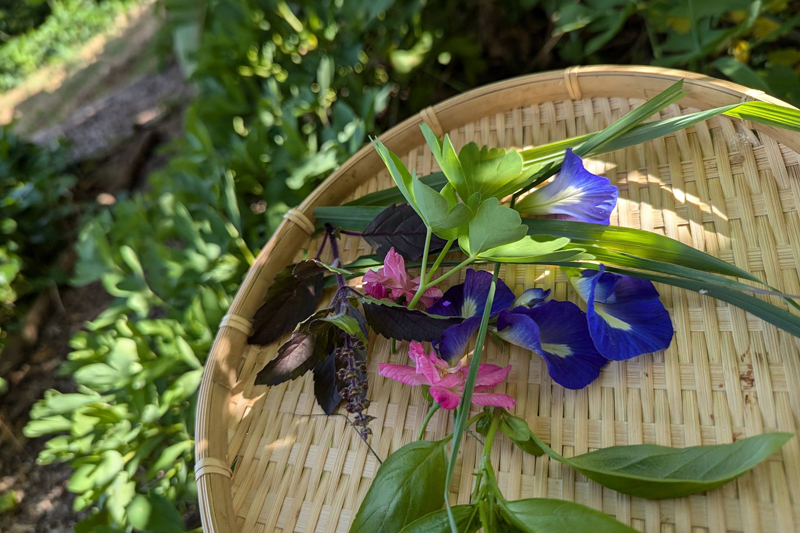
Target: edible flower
[[447, 382], [625, 316], [575, 193], [392, 281]]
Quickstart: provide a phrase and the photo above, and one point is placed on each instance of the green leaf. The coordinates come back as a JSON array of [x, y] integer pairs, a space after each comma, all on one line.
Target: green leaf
[[408, 485], [527, 249], [466, 517], [638, 242], [98, 376], [542, 515], [47, 425], [89, 476], [487, 171], [493, 225], [120, 494], [346, 323], [154, 513], [392, 195], [433, 140], [400, 174], [740, 73], [630, 120], [518, 432], [655, 472], [353, 217], [609, 257], [438, 213], [168, 457]]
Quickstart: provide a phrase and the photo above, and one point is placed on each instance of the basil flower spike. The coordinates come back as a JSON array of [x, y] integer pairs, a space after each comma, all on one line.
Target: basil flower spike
[[625, 316]]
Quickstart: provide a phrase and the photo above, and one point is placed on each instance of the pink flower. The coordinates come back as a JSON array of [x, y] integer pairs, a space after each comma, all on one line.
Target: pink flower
[[446, 382], [392, 280]]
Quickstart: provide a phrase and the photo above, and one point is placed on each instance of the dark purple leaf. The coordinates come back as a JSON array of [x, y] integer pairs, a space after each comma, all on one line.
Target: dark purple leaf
[[302, 352], [401, 323], [327, 395], [399, 226], [289, 300]]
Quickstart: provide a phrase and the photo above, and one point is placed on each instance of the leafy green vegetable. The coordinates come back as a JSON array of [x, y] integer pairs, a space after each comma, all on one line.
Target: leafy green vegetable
[[493, 225], [517, 430], [541, 515], [466, 517], [655, 472], [528, 249], [408, 485]]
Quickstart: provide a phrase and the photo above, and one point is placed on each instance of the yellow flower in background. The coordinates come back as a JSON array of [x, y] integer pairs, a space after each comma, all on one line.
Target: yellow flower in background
[[741, 51]]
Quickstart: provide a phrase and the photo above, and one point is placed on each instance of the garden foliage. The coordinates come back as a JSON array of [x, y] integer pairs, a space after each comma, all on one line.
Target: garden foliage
[[286, 93], [58, 39], [36, 210]]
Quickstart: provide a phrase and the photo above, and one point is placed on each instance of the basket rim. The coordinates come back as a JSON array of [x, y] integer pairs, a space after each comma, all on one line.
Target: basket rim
[[575, 83]]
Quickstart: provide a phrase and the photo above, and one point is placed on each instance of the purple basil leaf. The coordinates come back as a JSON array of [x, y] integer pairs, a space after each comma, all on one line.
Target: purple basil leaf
[[401, 323], [289, 300], [399, 226], [327, 395], [302, 352]]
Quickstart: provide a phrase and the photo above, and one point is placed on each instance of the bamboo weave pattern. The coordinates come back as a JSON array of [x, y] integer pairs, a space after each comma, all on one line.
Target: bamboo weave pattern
[[717, 187]]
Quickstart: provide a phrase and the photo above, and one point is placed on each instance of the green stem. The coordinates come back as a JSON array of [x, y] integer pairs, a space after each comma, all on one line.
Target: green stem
[[438, 261], [487, 451], [466, 399], [422, 288], [393, 348], [487, 446], [468, 424], [433, 409], [450, 272]]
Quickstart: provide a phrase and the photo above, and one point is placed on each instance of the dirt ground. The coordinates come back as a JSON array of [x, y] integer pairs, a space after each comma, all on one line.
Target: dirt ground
[[118, 110]]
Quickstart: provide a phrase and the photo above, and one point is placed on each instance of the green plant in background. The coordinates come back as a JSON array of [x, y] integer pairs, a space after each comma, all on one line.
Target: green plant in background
[[279, 107], [753, 43], [286, 92], [58, 39], [20, 16], [36, 211]]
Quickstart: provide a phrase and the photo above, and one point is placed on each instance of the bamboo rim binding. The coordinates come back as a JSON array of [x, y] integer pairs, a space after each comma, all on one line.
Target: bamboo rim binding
[[234, 417]]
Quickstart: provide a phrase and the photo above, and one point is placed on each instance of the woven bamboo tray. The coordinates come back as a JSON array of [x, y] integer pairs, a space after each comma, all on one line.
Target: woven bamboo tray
[[717, 186]]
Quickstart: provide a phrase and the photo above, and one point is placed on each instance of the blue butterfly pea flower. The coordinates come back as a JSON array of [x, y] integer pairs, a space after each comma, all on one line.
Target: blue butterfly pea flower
[[624, 314], [467, 300], [575, 192], [558, 332]]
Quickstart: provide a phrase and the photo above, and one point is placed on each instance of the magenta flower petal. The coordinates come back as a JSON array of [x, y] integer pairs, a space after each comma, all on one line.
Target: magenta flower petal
[[491, 375], [376, 290], [403, 374], [430, 296], [492, 399], [445, 397], [427, 368], [394, 267]]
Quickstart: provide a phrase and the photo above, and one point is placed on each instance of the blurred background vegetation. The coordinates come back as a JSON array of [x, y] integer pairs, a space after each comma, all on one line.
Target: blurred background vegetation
[[282, 94]]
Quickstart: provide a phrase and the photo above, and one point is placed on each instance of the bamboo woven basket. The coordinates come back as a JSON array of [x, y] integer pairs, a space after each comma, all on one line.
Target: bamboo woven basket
[[267, 462]]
